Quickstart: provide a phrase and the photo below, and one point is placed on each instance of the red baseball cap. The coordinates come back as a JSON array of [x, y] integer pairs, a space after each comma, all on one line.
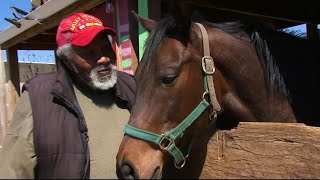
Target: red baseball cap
[[80, 29]]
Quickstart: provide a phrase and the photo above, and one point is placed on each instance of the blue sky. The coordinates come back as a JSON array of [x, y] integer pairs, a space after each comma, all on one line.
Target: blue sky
[[40, 55], [6, 12]]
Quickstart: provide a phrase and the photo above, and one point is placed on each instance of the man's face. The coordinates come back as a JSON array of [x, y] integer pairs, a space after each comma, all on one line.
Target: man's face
[[94, 64]]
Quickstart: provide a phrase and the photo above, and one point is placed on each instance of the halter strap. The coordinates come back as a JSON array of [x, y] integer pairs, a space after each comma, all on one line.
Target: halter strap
[[208, 67]]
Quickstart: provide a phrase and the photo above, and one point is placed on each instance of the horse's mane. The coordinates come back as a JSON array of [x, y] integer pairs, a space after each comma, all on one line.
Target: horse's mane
[[252, 31]]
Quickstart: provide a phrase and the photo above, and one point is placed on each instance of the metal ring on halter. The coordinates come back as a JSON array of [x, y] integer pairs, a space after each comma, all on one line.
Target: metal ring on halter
[[181, 166], [204, 65], [204, 94]]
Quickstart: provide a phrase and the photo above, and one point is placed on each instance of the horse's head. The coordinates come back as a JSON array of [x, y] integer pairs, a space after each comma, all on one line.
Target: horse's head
[[179, 92], [171, 85]]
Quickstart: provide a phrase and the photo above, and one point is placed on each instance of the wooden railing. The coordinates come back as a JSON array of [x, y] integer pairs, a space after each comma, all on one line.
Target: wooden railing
[[264, 151]]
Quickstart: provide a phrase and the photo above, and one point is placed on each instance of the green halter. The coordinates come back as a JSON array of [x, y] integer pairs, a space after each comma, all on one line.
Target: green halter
[[166, 141]]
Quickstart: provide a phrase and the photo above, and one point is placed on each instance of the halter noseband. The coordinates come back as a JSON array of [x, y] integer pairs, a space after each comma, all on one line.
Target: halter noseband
[[166, 141]]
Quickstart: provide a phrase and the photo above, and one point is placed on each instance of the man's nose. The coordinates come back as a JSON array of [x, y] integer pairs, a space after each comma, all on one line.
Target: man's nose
[[104, 60]]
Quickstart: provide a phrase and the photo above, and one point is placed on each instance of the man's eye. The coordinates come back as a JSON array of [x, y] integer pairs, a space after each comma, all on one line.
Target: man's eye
[[168, 79]]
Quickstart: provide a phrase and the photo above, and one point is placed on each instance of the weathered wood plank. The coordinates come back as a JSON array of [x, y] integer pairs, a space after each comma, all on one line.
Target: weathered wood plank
[[264, 150]]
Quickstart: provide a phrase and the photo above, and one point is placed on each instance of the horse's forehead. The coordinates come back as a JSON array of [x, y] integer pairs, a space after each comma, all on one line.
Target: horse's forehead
[[170, 50], [173, 44]]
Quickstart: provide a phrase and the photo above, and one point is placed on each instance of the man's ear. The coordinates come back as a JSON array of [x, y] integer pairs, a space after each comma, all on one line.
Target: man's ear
[[147, 24]]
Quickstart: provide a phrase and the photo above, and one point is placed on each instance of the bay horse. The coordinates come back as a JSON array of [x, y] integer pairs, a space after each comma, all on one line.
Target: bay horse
[[199, 76]]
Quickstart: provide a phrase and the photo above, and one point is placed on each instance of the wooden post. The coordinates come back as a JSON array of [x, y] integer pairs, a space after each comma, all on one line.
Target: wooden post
[[14, 80], [312, 32], [143, 34], [133, 31], [116, 17], [118, 48], [3, 109]]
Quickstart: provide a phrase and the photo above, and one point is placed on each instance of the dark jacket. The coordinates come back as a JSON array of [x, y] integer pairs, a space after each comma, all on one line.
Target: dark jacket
[[60, 131]]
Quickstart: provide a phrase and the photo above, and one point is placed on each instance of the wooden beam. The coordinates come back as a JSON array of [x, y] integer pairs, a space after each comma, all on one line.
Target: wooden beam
[[297, 13], [36, 46], [264, 151], [50, 22], [3, 109], [44, 38]]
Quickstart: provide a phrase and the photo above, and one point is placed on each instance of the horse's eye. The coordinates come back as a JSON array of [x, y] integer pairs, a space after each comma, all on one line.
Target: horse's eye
[[168, 79]]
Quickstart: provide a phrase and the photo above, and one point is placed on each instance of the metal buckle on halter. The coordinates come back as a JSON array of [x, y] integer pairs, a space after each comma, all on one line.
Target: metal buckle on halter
[[204, 65], [165, 142]]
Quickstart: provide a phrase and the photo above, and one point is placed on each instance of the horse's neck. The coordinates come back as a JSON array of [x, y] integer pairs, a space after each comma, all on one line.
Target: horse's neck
[[247, 97]]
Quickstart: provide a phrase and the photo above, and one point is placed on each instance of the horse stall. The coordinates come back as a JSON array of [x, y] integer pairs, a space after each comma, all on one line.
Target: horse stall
[[264, 150]]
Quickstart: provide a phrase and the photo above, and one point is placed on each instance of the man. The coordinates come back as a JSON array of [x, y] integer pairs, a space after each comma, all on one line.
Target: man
[[61, 115]]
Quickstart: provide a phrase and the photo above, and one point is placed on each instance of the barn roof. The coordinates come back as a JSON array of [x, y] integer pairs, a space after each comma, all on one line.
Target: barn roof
[[40, 33]]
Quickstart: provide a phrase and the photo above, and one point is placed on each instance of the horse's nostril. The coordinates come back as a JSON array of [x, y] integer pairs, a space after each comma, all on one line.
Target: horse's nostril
[[128, 171]]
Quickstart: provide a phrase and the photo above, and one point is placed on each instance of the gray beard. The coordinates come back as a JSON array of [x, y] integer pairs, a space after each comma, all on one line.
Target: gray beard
[[95, 81], [103, 83]]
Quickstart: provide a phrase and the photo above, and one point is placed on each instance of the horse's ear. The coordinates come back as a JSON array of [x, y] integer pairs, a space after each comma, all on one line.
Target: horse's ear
[[146, 23], [195, 36]]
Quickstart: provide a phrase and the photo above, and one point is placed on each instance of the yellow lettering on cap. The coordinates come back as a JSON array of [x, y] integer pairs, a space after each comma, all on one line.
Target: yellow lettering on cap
[[93, 24], [74, 23]]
